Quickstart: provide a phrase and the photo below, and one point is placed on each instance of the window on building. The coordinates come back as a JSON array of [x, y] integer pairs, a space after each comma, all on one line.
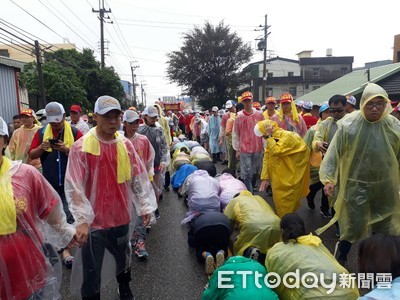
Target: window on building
[[4, 52], [270, 74], [290, 74], [306, 86], [268, 92], [316, 72], [293, 91], [343, 71], [315, 87]]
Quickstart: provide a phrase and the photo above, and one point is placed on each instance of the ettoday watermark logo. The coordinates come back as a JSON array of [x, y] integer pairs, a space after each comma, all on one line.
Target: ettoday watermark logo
[[309, 280]]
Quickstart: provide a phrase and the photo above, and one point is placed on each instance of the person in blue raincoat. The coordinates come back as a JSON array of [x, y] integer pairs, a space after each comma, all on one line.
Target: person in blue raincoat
[[214, 124]]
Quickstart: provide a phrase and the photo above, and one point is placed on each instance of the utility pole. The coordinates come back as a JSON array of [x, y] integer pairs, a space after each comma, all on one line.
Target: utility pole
[[133, 68], [142, 91], [102, 10], [42, 100], [264, 79]]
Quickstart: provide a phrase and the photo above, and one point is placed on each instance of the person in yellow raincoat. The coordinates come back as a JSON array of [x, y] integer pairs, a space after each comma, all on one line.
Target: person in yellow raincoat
[[285, 164], [364, 154], [257, 222], [304, 267]]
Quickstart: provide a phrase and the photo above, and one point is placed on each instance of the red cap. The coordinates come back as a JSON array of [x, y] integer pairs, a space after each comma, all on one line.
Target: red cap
[[27, 112], [270, 100], [286, 98], [256, 105], [247, 96], [75, 108]]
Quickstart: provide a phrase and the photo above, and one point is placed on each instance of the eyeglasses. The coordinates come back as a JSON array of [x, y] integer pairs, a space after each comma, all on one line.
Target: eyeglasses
[[371, 105], [336, 110]]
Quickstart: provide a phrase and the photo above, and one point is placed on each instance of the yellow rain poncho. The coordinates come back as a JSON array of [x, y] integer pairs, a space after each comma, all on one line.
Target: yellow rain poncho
[[315, 156], [308, 254], [257, 222], [286, 164], [365, 156]]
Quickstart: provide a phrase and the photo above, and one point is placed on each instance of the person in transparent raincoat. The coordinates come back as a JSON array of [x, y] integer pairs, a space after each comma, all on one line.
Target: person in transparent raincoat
[[248, 146], [364, 154], [285, 164], [29, 266], [313, 269], [106, 185], [146, 153]]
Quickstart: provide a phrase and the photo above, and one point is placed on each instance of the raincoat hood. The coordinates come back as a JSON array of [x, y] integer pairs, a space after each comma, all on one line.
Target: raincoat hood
[[371, 91]]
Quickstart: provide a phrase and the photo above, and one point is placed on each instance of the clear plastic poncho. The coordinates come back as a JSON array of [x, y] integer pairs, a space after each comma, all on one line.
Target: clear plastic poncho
[[315, 156], [365, 157], [203, 191], [28, 261], [308, 254], [257, 222], [243, 137], [213, 132], [95, 197], [19, 145], [286, 164], [145, 151], [229, 187]]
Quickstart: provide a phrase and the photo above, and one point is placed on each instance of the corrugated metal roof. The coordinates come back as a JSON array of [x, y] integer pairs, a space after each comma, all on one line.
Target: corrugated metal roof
[[11, 62], [352, 83]]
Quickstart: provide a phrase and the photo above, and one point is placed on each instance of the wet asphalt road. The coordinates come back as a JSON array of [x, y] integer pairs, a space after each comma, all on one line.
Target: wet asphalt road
[[172, 270]]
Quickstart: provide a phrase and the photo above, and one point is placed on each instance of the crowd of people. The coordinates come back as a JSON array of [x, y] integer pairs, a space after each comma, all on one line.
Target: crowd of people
[[82, 190]]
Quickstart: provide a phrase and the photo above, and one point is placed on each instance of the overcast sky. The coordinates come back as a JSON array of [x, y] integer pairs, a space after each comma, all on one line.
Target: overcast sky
[[144, 31]]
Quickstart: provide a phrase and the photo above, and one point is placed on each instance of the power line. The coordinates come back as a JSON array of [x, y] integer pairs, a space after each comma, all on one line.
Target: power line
[[78, 17], [52, 12], [39, 21], [15, 48]]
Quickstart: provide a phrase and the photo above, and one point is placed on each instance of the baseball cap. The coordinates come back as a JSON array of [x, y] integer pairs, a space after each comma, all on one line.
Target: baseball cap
[[299, 103], [270, 100], [132, 108], [308, 105], [27, 112], [3, 127], [75, 108], [286, 98], [55, 112], [247, 96], [214, 108], [41, 113], [323, 108], [105, 103], [150, 111], [256, 105], [351, 99], [229, 104], [130, 116]]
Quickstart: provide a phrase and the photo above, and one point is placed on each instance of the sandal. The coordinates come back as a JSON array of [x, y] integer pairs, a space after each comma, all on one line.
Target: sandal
[[67, 261]]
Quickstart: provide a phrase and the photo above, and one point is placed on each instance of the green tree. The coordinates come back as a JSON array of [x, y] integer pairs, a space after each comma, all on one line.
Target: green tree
[[73, 77], [207, 65]]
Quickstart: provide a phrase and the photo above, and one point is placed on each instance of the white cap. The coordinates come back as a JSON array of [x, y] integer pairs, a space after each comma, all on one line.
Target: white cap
[[150, 111], [308, 105], [104, 104], [229, 104], [352, 100], [54, 112], [130, 116], [214, 108], [299, 103], [3, 127]]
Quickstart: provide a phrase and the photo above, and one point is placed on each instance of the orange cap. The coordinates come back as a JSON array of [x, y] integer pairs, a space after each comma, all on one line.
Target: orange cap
[[132, 108], [286, 98], [27, 112], [256, 105], [247, 95], [270, 100]]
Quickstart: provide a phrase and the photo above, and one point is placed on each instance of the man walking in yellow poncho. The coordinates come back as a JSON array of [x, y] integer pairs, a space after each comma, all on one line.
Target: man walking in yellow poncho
[[364, 154], [285, 164]]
